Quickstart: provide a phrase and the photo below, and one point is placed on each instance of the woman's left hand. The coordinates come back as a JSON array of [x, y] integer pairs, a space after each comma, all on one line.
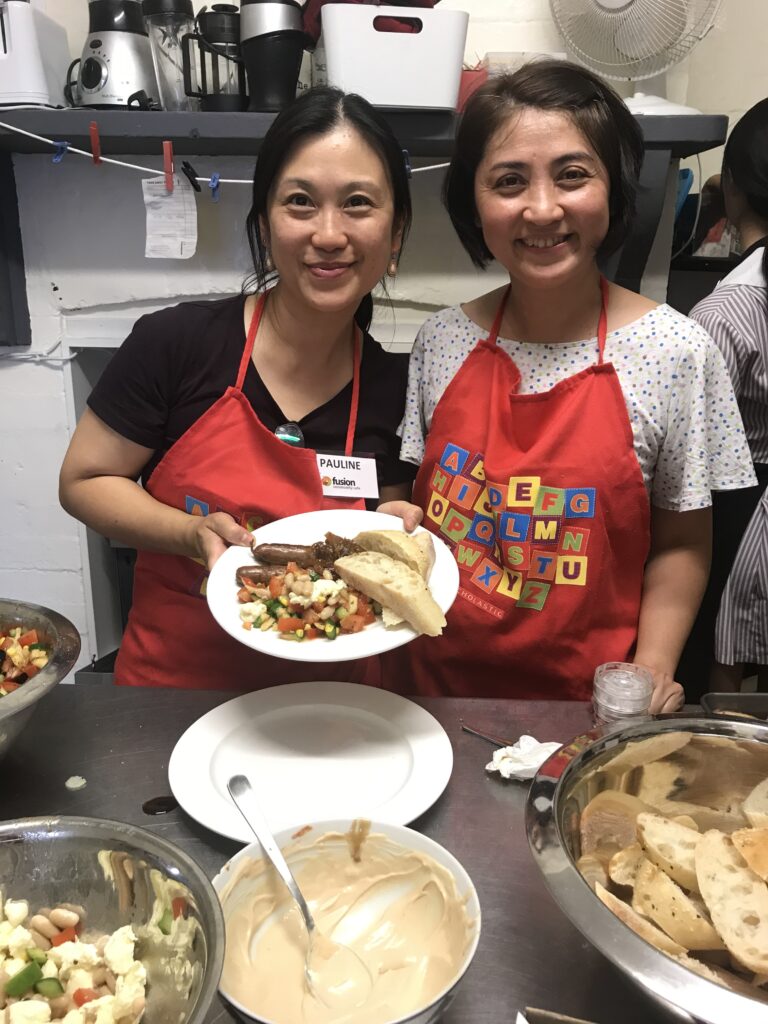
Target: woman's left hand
[[410, 514], [668, 695]]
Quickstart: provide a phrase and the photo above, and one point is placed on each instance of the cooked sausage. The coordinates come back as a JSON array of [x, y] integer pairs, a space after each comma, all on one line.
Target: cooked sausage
[[258, 575], [279, 554]]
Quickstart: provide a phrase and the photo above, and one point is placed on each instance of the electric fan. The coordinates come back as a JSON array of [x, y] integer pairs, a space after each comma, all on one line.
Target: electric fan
[[634, 39]]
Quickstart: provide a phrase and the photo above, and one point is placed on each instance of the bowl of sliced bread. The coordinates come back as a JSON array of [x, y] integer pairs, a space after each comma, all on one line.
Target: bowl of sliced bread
[[653, 839]]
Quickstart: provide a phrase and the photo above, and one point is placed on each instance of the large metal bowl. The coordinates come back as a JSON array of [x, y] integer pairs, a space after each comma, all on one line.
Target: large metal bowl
[[558, 794], [115, 872], [17, 707]]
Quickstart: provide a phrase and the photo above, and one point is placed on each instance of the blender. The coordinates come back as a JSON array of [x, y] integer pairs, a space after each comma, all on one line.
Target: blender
[[167, 22]]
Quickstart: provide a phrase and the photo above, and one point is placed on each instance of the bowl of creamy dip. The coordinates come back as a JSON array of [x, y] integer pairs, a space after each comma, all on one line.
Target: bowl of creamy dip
[[401, 901]]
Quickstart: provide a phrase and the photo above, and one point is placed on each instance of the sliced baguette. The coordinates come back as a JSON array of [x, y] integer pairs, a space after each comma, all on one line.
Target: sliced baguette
[[756, 805], [403, 547], [721, 977], [641, 752], [389, 618], [624, 865], [395, 586], [638, 924], [671, 847], [610, 817], [661, 900], [737, 899], [752, 844], [592, 869]]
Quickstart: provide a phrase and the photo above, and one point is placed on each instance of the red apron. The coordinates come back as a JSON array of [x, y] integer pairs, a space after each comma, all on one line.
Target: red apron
[[227, 461], [541, 498]]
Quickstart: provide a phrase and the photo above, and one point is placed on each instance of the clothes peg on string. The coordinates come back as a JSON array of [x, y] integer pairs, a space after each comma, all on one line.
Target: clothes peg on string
[[191, 175], [214, 185], [61, 150], [168, 165], [93, 130], [407, 159]]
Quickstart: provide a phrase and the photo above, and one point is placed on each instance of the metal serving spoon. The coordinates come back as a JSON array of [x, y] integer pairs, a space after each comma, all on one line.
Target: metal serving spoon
[[335, 974]]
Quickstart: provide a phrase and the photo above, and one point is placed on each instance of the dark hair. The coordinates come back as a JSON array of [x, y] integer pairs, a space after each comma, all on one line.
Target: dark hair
[[595, 109], [745, 161], [315, 113]]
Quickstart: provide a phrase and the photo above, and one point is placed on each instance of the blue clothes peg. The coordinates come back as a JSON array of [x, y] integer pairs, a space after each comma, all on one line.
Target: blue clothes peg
[[214, 186], [61, 151]]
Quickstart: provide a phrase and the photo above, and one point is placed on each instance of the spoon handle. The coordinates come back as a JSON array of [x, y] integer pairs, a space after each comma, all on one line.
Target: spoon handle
[[244, 799]]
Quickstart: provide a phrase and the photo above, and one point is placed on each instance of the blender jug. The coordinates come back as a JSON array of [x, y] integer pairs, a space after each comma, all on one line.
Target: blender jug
[[168, 21], [214, 49]]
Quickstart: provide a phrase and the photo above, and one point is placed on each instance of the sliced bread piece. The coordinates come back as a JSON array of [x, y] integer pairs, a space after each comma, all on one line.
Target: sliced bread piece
[[592, 869], [624, 865], [645, 751], [389, 618], [737, 899], [722, 977], [402, 546], [640, 925], [671, 847], [661, 900], [610, 817], [752, 844], [395, 586], [756, 805]]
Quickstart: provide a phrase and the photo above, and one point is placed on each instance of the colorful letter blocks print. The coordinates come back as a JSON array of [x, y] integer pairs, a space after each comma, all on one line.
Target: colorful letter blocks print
[[514, 539]]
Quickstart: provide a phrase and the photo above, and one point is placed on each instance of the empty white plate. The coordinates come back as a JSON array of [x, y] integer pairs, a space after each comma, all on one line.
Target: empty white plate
[[312, 751]]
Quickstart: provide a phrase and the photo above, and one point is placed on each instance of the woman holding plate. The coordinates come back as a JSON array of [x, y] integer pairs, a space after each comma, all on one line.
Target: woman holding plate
[[569, 432], [223, 408]]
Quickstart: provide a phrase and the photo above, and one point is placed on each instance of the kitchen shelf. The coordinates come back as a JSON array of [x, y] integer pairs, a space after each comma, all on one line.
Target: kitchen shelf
[[424, 133]]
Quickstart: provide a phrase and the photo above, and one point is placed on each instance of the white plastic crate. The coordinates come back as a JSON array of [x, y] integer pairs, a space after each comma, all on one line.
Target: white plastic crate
[[395, 69]]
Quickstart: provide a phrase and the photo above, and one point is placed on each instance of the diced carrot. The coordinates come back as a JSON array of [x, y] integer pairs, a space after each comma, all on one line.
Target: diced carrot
[[9, 687], [310, 633], [351, 624], [276, 586], [81, 996], [292, 567], [28, 638], [289, 624], [68, 935], [31, 670], [244, 595], [247, 624]]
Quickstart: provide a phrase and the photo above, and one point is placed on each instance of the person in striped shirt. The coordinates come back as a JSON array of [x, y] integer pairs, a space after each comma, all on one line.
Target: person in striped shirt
[[735, 315]]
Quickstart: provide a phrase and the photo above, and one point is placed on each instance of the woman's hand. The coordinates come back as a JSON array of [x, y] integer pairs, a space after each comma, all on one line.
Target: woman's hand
[[409, 513], [667, 695], [210, 536]]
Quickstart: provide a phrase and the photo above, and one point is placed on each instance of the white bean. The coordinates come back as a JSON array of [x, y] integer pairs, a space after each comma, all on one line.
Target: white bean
[[289, 578], [44, 926], [64, 918], [326, 613], [40, 940]]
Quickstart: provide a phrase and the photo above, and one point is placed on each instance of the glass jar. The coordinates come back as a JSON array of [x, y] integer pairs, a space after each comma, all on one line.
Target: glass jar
[[621, 693]]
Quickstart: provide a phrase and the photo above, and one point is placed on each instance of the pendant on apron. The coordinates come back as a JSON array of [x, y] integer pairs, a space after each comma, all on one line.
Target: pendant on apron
[[347, 476]]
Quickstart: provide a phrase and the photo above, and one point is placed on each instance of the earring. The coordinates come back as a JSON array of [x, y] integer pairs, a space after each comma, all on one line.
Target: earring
[[269, 266], [392, 265]]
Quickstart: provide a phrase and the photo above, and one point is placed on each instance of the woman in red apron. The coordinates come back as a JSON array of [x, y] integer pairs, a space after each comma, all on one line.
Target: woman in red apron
[[330, 210], [539, 475]]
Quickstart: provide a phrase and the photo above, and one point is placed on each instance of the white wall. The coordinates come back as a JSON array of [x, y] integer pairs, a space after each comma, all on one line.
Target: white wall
[[87, 276]]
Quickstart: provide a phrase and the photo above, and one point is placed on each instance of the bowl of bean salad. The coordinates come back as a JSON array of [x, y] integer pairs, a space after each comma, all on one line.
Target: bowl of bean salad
[[38, 648], [104, 923]]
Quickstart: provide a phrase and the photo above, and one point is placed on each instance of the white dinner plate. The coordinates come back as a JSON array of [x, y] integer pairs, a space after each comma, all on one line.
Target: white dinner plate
[[312, 751], [307, 528]]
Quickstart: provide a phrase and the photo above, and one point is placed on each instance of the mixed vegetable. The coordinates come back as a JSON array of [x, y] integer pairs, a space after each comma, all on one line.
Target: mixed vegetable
[[51, 969], [23, 656], [304, 604]]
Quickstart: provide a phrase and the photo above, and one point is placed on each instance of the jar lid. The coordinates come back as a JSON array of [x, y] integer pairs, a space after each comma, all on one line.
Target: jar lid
[[151, 7]]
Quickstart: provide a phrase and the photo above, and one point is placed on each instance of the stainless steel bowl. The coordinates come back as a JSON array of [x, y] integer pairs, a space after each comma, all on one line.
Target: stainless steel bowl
[[562, 788], [17, 707], [115, 872]]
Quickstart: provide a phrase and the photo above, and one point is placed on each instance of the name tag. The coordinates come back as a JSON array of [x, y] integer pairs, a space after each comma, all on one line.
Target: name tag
[[348, 476]]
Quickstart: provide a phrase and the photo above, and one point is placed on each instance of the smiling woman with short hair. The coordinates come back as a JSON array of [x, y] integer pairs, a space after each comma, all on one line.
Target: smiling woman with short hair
[[569, 432]]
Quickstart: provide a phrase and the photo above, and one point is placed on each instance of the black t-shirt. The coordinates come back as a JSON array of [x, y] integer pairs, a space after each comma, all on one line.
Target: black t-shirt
[[177, 362]]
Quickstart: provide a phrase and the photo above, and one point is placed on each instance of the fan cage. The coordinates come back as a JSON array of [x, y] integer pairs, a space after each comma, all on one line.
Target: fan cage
[[636, 39]]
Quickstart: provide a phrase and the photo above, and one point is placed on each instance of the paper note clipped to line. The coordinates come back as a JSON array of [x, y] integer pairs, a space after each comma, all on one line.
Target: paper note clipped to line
[[171, 218]]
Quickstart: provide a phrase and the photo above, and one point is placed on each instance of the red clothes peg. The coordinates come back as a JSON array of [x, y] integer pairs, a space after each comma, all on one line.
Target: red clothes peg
[[168, 165], [95, 142]]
